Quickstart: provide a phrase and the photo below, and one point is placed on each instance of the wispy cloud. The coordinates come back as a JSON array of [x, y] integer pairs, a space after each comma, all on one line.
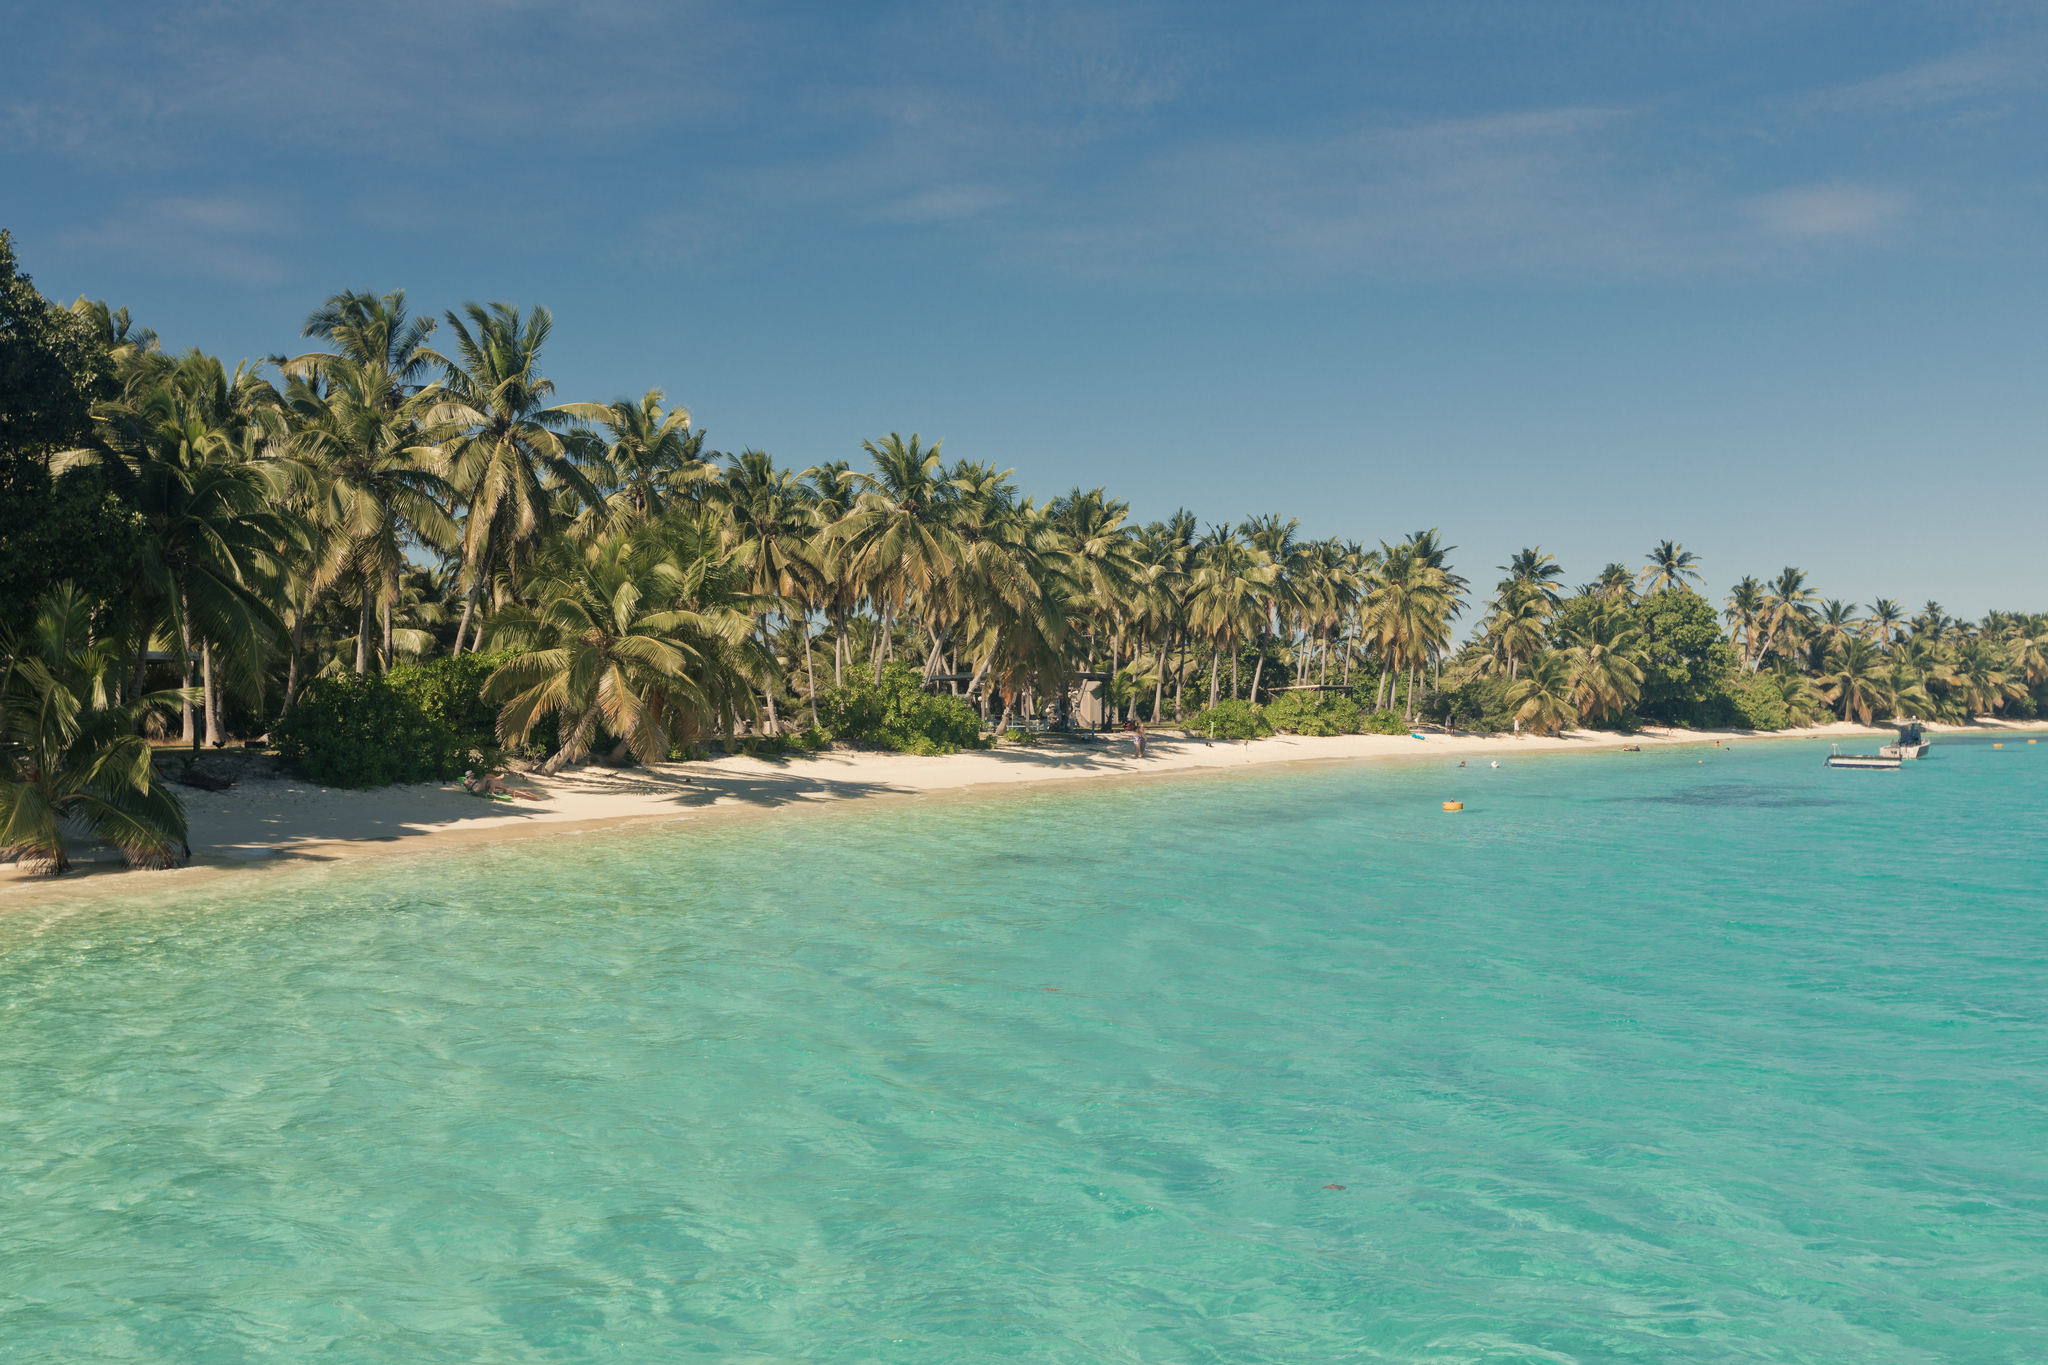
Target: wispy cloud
[[1958, 76], [1836, 210], [226, 237]]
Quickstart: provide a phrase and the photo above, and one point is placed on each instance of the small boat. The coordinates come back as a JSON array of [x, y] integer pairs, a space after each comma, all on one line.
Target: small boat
[[1912, 744], [1838, 759]]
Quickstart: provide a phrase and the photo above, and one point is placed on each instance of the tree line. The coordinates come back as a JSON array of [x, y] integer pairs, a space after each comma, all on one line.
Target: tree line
[[196, 553]]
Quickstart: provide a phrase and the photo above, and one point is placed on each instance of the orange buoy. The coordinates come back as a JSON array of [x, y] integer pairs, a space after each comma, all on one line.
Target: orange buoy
[[2033, 741], [1998, 746], [1454, 805]]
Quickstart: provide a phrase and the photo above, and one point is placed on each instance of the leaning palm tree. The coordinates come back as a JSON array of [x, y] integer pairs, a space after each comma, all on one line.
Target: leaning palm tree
[[68, 754], [1671, 566]]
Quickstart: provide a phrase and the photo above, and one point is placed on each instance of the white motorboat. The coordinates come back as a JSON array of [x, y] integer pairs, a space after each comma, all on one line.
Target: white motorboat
[[1912, 743], [1838, 759]]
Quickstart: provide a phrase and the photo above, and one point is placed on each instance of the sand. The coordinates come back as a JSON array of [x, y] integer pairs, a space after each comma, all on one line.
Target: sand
[[264, 818]]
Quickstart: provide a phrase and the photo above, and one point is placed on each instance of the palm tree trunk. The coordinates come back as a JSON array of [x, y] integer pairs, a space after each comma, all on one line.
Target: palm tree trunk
[[1215, 674], [212, 695], [1159, 686], [191, 732], [810, 668], [768, 690], [1233, 670], [1379, 691], [291, 681], [387, 634], [575, 743], [141, 658], [468, 604], [1256, 673], [363, 632]]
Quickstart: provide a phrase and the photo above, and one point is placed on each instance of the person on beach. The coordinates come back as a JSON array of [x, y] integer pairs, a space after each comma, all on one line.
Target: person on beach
[[1141, 739], [490, 784]]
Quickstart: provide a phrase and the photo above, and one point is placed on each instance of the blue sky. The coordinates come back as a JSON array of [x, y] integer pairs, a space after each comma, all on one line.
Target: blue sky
[[1763, 278]]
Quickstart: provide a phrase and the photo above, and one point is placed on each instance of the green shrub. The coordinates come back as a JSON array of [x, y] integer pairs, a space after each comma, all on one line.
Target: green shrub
[[1231, 720], [349, 731], [897, 713], [451, 692], [419, 723], [1383, 723], [1312, 713], [1759, 704], [808, 741]]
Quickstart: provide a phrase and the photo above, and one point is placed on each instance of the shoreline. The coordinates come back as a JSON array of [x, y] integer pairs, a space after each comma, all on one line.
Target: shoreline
[[272, 820]]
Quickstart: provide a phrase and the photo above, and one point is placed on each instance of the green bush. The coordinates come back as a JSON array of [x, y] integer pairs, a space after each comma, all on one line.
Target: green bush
[[349, 731], [1759, 704], [1383, 723], [1312, 713], [451, 691], [1231, 720], [897, 713], [807, 741], [419, 723]]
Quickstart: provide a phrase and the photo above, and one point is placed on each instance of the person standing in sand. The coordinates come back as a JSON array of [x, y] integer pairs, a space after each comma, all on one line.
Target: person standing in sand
[[1141, 739]]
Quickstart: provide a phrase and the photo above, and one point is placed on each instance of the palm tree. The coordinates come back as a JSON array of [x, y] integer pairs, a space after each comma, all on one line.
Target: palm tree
[[500, 445], [1408, 611], [1537, 570], [1855, 680], [1834, 627], [650, 458], [628, 635], [898, 535], [1885, 616], [1227, 598], [190, 448], [1545, 697], [1286, 595], [1746, 609], [1604, 653], [1671, 566], [1614, 584], [1788, 609], [378, 490], [1518, 628], [68, 753], [772, 521]]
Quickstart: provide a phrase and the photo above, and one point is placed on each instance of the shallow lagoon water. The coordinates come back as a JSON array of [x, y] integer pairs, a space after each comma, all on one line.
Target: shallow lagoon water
[[1686, 1055]]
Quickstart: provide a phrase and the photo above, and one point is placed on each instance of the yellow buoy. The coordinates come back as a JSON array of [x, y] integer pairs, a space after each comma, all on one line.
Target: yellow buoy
[[1998, 746], [1454, 805]]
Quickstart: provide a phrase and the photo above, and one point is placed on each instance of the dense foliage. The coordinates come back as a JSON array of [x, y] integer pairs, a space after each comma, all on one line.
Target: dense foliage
[[896, 712]]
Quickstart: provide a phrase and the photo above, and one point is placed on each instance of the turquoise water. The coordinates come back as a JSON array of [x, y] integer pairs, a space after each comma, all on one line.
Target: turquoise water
[[1640, 1058]]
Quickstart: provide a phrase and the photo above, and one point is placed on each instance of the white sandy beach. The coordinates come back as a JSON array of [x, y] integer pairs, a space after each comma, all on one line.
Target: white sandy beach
[[268, 817]]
